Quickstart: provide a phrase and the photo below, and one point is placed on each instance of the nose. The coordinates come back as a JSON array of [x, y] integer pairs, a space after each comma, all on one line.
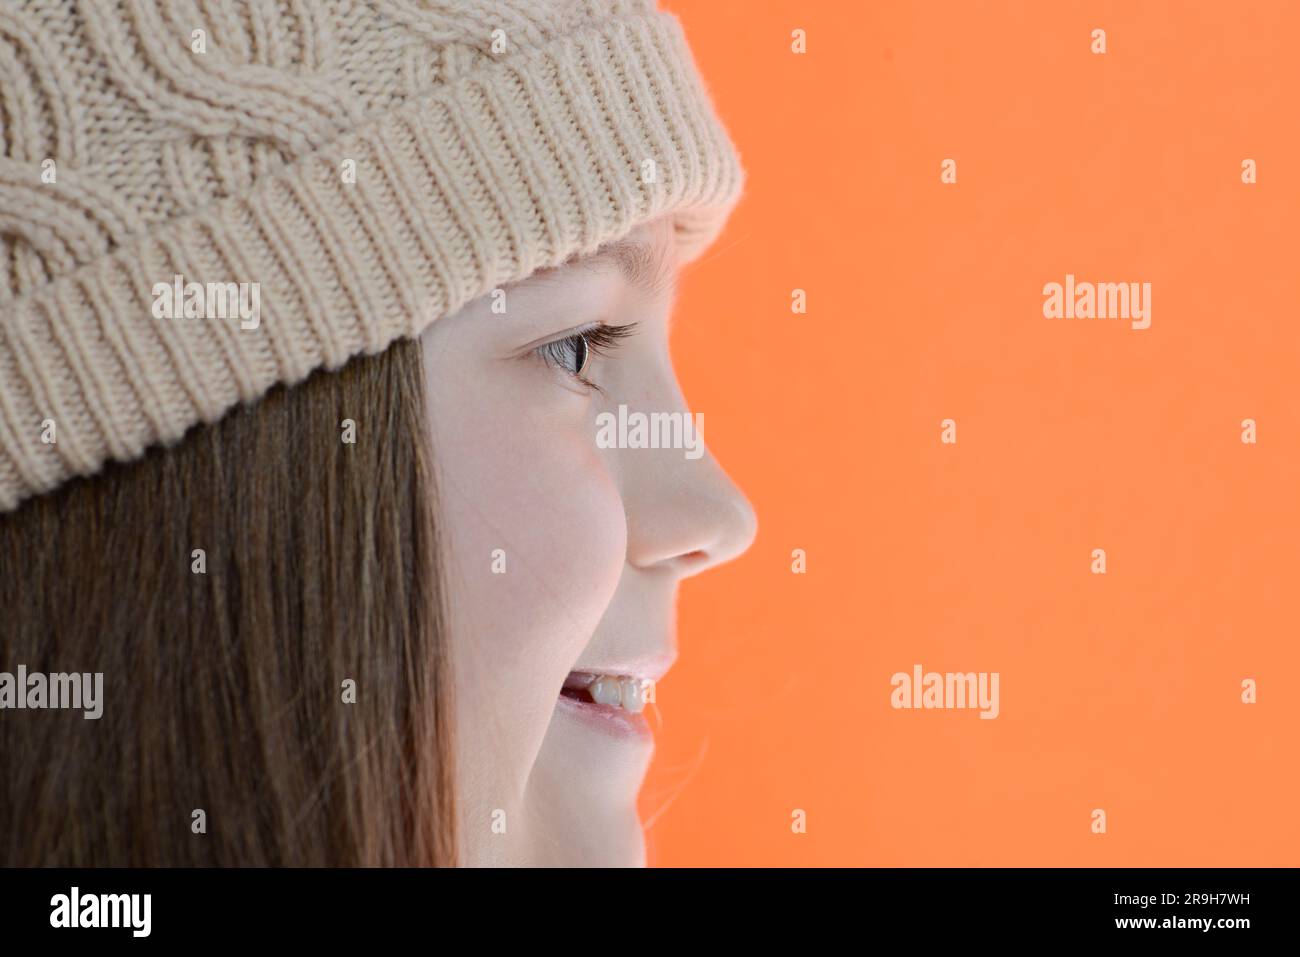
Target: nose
[[683, 514]]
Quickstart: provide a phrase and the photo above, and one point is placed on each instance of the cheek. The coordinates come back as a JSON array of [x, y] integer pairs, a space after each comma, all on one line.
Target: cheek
[[536, 532], [557, 509]]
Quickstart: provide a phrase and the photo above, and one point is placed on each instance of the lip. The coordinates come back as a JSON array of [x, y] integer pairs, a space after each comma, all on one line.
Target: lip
[[610, 719], [648, 667], [607, 719]]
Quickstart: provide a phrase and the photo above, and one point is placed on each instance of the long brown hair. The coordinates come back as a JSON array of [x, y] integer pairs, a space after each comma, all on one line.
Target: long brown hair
[[224, 688]]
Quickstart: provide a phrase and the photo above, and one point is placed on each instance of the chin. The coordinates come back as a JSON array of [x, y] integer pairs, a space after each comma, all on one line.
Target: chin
[[586, 822], [613, 844]]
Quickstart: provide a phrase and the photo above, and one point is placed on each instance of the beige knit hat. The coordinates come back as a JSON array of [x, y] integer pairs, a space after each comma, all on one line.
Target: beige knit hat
[[369, 164]]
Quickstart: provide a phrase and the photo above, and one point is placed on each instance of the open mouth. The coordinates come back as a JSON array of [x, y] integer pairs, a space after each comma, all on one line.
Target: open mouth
[[616, 692]]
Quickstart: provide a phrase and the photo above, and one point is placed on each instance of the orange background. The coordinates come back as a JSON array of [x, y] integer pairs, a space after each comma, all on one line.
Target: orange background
[[925, 301]]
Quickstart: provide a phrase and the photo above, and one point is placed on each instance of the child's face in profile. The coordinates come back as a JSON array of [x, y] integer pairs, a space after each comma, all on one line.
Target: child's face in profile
[[563, 553]]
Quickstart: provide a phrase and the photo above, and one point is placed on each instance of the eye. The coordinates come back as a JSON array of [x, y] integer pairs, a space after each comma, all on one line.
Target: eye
[[572, 353]]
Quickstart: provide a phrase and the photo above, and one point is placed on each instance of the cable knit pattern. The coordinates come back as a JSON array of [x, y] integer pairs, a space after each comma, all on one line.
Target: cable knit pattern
[[133, 149]]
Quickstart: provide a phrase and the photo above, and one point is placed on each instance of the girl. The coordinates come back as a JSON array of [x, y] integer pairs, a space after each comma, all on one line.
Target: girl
[[362, 586]]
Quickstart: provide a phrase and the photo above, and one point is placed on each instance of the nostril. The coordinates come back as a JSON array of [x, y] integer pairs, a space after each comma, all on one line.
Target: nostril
[[693, 562]]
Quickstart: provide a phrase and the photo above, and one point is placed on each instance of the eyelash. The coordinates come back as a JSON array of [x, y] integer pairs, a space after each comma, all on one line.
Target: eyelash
[[599, 339]]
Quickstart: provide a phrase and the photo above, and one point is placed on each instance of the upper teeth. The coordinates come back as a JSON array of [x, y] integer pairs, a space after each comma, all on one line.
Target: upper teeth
[[619, 691]]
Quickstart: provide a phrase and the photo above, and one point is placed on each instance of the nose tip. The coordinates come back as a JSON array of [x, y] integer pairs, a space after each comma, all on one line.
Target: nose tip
[[712, 523], [738, 528]]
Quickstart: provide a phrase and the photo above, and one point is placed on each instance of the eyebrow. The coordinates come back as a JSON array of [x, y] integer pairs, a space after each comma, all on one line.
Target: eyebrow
[[644, 266]]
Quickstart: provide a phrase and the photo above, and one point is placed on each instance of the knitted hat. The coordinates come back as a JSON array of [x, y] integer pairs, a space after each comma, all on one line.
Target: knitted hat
[[361, 167]]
